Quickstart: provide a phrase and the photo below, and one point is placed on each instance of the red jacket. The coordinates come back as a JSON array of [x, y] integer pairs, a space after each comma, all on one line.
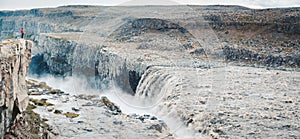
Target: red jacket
[[22, 31]]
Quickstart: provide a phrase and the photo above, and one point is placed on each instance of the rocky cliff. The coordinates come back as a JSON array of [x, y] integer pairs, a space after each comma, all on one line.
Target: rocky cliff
[[267, 37], [171, 59], [93, 63], [15, 56], [239, 35], [209, 98]]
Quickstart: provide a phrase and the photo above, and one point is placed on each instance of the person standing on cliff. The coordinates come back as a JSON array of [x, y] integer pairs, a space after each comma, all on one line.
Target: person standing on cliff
[[22, 32]]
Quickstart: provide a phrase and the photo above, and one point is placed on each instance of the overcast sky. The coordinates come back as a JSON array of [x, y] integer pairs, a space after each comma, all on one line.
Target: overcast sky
[[29, 4]]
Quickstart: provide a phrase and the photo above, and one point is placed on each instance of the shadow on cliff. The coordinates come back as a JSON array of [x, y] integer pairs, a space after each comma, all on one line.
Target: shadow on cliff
[[38, 66]]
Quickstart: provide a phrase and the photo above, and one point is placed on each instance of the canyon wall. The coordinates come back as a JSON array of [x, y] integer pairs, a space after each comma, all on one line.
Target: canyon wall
[[15, 56], [94, 64], [179, 82], [266, 37]]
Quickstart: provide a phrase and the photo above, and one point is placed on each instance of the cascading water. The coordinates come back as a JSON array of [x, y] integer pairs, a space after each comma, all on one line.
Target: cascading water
[[127, 76], [141, 58], [83, 64], [155, 88], [156, 83]]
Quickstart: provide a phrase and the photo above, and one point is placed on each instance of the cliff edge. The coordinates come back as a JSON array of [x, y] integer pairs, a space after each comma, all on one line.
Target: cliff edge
[[15, 56]]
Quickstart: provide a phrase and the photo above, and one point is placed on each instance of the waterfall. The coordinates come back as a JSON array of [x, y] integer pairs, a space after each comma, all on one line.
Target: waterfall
[[154, 84], [84, 63]]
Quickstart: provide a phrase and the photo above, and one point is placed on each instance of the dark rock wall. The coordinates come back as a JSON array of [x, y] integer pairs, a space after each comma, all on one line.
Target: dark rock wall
[[243, 55], [56, 60]]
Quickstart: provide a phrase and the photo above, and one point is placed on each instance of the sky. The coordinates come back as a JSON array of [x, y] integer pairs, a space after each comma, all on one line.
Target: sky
[[30, 4]]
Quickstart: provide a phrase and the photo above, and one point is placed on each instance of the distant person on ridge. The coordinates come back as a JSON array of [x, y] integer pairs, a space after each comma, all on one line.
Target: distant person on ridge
[[22, 32]]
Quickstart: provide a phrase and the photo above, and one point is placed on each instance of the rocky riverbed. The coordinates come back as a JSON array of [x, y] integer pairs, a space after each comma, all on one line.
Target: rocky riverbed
[[224, 103], [163, 71], [91, 115]]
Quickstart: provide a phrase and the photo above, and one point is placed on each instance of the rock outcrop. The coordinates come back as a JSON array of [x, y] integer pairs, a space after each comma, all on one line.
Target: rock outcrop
[[15, 56], [142, 26], [273, 32], [99, 67], [143, 56], [72, 116], [252, 57]]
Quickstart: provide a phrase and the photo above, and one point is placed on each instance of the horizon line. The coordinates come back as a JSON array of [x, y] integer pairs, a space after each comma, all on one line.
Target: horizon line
[[120, 5]]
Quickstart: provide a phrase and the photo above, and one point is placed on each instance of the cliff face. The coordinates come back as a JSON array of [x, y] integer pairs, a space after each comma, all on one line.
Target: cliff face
[[209, 98], [97, 65], [268, 37], [38, 21], [144, 56], [15, 56]]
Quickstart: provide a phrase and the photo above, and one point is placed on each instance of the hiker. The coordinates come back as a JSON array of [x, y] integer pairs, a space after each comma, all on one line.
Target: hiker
[[22, 32]]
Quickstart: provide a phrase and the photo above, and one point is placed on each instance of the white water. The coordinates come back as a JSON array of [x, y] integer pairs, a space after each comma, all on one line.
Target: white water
[[128, 104]]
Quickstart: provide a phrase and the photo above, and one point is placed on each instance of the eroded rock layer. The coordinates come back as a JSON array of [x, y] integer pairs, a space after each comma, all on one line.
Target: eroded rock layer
[[15, 56]]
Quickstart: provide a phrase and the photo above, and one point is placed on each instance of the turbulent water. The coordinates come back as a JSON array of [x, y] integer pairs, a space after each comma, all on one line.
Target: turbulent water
[[129, 104], [168, 62]]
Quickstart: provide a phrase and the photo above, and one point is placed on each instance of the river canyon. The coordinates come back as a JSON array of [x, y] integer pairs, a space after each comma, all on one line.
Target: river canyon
[[162, 71]]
